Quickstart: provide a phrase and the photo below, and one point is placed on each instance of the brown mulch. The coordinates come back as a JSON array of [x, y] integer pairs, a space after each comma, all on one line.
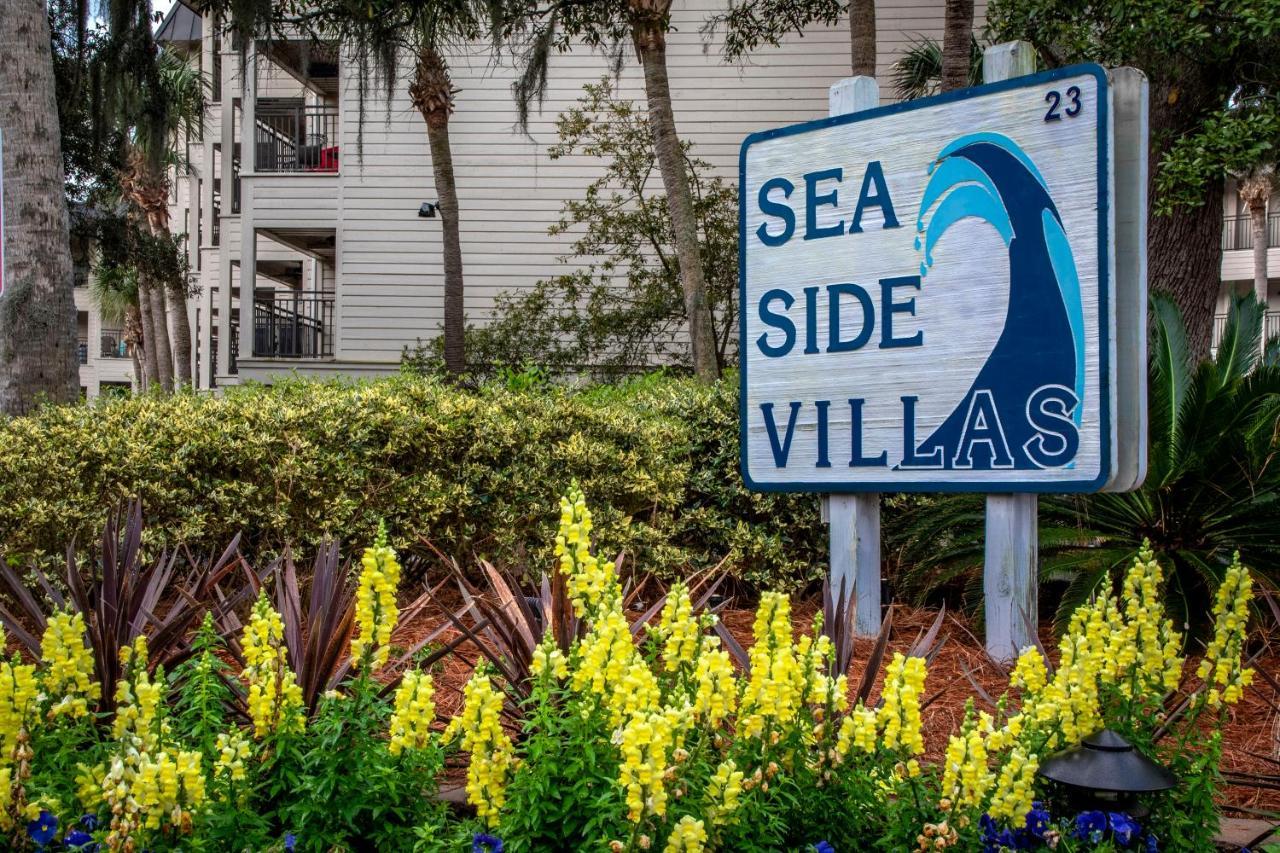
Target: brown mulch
[[1251, 744]]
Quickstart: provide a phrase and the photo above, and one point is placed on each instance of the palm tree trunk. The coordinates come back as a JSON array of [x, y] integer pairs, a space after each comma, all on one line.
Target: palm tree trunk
[[135, 340], [432, 93], [150, 366], [1258, 224], [37, 307], [651, 47], [957, 41], [160, 333], [455, 360], [862, 37], [181, 336]]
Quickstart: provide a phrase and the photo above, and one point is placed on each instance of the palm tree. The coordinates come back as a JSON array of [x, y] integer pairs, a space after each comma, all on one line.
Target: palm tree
[[165, 111], [114, 290], [37, 307], [957, 34], [917, 73], [1212, 485], [1256, 187], [540, 29]]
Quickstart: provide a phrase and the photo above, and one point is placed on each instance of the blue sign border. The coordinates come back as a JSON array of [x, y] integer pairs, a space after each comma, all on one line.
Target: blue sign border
[[1105, 309]]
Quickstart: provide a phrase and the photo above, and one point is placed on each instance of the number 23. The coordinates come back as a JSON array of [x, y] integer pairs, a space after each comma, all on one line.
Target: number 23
[[1054, 100]]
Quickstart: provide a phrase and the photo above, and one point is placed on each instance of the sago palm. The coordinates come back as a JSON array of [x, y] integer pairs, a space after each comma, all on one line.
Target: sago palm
[[1212, 485]]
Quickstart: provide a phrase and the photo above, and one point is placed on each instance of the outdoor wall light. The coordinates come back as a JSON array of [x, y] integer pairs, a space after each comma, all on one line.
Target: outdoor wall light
[[428, 209], [1106, 773]]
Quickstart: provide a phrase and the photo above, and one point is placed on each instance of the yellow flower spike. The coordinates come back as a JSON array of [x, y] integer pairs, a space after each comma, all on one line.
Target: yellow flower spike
[[899, 714], [19, 693], [688, 836], [492, 752], [646, 742], [1221, 668], [549, 660], [414, 712], [68, 666], [376, 609], [1015, 789], [678, 629], [274, 697], [723, 793]]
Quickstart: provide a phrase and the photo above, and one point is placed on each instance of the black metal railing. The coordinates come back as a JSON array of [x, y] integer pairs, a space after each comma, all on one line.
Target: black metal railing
[[82, 352], [287, 326], [1237, 232], [1270, 327], [114, 344], [295, 138]]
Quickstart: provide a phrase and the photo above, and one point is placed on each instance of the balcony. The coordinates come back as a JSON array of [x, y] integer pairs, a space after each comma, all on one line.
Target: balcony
[[288, 326], [1237, 232], [1270, 327], [113, 344], [295, 138], [82, 352]]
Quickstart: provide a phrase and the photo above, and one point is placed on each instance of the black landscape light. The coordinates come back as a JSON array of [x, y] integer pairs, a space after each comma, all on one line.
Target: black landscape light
[[428, 209], [1106, 773]]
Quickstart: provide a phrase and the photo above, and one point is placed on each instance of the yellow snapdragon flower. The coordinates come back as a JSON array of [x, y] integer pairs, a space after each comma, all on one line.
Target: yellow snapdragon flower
[[1015, 789], [899, 715], [593, 583], [776, 687], [678, 629], [646, 741], [549, 660], [688, 836], [376, 609], [723, 793], [233, 749], [966, 777], [275, 699], [492, 753], [68, 666], [1221, 670], [716, 694], [414, 712]]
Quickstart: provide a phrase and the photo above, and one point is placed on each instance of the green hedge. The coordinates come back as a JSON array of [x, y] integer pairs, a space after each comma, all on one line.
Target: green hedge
[[476, 472]]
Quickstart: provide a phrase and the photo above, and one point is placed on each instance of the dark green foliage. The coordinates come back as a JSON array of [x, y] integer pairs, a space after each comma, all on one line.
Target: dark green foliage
[[203, 699], [1212, 486], [565, 795], [621, 309], [477, 472], [350, 788]]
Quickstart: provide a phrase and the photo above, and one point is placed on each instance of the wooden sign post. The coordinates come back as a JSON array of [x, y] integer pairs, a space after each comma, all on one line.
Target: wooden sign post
[[854, 519], [1010, 587]]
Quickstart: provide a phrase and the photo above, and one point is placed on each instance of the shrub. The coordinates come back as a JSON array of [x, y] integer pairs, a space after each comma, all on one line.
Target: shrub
[[296, 462]]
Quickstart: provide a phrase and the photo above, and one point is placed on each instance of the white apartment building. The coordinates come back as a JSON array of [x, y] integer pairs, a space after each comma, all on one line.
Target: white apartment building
[[345, 273]]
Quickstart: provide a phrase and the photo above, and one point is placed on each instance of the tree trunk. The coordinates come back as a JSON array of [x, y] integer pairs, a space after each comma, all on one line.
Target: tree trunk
[[432, 93], [160, 333], [1184, 248], [38, 358], [957, 41], [181, 336], [134, 338], [150, 363], [862, 37], [1255, 192], [1258, 224], [650, 43]]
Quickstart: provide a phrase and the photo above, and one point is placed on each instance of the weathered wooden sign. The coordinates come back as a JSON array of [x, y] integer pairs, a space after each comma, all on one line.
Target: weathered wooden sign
[[926, 294]]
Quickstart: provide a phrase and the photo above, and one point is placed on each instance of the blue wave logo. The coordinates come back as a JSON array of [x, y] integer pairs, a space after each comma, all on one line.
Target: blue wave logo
[[1023, 410]]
